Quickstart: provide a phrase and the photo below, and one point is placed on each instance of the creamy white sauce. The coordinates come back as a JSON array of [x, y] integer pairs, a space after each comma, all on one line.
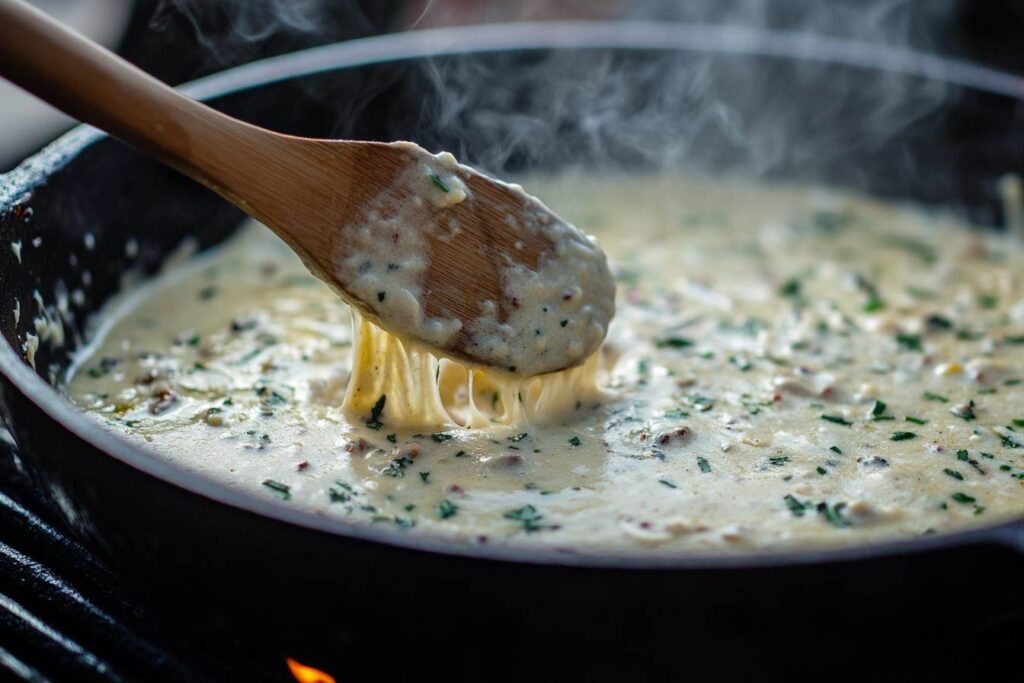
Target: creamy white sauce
[[786, 369], [550, 317]]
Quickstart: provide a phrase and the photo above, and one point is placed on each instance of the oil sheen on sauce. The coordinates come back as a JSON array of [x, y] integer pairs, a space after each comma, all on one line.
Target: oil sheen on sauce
[[788, 368]]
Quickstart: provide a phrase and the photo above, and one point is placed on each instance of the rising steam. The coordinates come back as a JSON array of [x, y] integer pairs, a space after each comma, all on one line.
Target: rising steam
[[691, 110]]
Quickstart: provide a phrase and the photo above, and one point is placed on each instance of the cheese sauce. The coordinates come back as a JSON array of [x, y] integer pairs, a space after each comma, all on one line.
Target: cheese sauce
[[787, 368]]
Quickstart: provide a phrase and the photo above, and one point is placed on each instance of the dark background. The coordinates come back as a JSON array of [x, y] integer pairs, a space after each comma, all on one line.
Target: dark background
[[179, 40]]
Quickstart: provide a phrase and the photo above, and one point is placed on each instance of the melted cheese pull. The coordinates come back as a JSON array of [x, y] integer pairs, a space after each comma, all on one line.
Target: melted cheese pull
[[421, 390]]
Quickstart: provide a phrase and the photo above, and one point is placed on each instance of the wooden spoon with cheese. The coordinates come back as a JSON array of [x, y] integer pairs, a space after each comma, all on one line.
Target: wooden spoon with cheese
[[432, 251]]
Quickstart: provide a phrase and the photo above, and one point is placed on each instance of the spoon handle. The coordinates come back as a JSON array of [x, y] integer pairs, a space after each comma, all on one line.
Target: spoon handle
[[92, 84]]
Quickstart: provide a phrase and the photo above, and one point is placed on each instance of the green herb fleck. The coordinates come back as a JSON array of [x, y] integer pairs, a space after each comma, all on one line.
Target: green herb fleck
[[446, 509], [903, 436], [837, 419], [795, 506], [396, 468], [441, 185], [283, 491], [529, 516], [909, 342], [833, 514], [373, 422], [674, 343]]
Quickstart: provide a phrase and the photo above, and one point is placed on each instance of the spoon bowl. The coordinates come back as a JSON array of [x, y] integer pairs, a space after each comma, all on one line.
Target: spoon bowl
[[432, 251]]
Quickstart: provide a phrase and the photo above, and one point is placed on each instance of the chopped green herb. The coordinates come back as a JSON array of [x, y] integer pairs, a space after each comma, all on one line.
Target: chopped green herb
[[833, 515], [446, 509], [873, 305], [821, 470], [425, 477], [673, 343], [879, 408], [938, 322], [903, 436], [703, 464], [963, 498], [667, 483], [441, 185], [283, 491], [837, 419], [929, 396], [518, 437], [795, 506], [373, 422], [987, 301], [909, 342], [441, 437], [529, 516], [916, 420], [381, 296], [396, 468], [836, 449], [575, 441], [953, 473], [790, 287], [393, 438]]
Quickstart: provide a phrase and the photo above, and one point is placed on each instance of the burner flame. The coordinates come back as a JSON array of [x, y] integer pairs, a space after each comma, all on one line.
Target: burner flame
[[307, 674]]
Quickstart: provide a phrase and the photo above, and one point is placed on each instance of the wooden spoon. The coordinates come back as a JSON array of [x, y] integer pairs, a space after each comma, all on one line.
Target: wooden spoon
[[321, 195]]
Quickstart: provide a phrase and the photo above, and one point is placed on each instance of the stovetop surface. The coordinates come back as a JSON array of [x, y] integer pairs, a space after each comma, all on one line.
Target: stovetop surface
[[66, 616]]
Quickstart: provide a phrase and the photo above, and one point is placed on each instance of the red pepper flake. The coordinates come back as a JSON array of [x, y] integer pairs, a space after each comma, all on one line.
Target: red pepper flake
[[302, 465], [357, 445]]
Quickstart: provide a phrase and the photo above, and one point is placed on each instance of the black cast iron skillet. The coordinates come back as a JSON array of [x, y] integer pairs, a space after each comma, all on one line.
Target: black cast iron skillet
[[381, 604]]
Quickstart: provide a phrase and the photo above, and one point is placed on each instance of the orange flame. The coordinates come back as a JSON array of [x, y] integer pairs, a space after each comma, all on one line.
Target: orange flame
[[307, 674]]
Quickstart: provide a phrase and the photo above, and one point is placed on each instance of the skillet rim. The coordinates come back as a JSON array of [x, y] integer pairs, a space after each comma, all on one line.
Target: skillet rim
[[16, 187]]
